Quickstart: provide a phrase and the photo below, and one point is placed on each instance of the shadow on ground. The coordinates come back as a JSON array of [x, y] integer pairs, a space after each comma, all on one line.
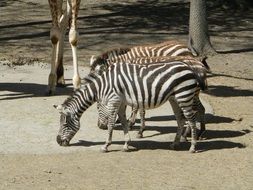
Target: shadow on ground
[[156, 145], [210, 118], [26, 90], [227, 91]]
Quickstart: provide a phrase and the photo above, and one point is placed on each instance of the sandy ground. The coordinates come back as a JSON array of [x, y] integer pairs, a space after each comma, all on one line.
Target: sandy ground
[[29, 155]]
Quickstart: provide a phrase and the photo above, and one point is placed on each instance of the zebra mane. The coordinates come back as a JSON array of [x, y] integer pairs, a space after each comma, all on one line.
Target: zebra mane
[[118, 51]]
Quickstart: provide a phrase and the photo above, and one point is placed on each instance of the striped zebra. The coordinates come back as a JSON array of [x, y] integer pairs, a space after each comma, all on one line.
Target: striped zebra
[[168, 48], [141, 86], [197, 105], [192, 63]]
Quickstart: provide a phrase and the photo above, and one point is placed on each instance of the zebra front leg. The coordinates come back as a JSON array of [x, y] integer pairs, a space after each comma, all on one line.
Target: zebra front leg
[[132, 118], [108, 141], [142, 127], [123, 120], [113, 108]]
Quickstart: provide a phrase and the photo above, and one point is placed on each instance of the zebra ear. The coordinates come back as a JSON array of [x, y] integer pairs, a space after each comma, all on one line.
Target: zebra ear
[[92, 60]]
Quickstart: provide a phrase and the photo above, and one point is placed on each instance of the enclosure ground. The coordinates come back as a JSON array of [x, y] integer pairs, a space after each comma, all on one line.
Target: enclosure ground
[[30, 157]]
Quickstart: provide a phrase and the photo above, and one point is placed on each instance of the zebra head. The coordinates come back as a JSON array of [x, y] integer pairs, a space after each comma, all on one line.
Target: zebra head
[[69, 125], [98, 65]]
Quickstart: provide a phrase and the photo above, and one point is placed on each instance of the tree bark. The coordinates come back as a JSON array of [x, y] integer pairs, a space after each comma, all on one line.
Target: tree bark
[[199, 41]]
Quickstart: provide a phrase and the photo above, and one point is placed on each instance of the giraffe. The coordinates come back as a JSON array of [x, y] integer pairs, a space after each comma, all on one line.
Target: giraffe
[[61, 19]]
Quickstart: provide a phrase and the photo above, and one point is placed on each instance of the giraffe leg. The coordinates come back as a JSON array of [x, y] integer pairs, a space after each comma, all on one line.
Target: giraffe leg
[[58, 30], [54, 37], [73, 38]]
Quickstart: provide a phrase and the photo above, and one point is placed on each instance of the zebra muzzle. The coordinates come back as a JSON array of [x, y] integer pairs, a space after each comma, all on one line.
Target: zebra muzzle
[[61, 142]]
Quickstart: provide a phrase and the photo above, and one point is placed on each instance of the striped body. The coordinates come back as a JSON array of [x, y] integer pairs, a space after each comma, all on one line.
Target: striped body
[[141, 86]]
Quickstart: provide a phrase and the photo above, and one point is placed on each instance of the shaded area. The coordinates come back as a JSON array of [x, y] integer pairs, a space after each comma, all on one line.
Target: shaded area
[[26, 90], [235, 51], [212, 134], [210, 118], [227, 91], [102, 24]]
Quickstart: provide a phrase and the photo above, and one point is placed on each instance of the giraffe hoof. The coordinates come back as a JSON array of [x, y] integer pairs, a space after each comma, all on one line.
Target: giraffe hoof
[[61, 85], [174, 146], [192, 150], [49, 93], [103, 150], [125, 149]]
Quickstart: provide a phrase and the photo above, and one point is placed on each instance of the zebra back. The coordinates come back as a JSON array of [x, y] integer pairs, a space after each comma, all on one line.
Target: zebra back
[[168, 48]]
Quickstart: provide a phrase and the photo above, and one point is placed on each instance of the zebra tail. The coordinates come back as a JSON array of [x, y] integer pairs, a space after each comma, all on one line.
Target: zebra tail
[[203, 61], [201, 78]]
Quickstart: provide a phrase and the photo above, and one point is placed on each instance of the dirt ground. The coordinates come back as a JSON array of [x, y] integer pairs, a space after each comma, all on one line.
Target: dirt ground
[[29, 155]]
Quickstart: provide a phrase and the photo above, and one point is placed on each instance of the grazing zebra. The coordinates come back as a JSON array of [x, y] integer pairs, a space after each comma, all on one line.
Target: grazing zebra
[[141, 86], [193, 63], [197, 105]]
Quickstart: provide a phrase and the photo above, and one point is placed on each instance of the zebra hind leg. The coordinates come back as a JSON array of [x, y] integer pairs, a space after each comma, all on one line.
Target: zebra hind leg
[[142, 127], [132, 118], [180, 122], [201, 117], [190, 116]]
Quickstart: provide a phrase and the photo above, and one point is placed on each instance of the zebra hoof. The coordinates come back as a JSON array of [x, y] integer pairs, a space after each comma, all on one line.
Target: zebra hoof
[[49, 92]]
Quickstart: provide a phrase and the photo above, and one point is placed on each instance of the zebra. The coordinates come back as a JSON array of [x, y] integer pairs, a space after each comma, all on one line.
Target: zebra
[[142, 86], [192, 63], [169, 49]]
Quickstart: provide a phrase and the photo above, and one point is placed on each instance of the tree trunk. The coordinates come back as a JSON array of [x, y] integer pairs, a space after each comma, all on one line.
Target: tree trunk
[[199, 41]]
